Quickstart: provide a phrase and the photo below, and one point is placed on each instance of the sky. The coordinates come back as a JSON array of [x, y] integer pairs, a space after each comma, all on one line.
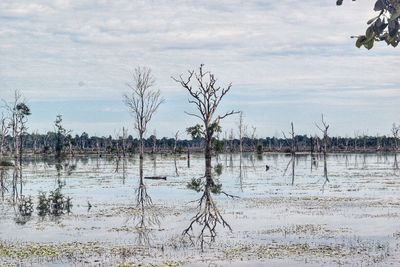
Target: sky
[[288, 61]]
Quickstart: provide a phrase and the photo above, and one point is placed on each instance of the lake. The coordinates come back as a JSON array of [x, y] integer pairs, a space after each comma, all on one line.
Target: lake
[[278, 217]]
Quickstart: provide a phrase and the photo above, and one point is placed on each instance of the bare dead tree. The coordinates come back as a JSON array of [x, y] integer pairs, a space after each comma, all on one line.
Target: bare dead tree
[[176, 141], [242, 132], [324, 129], [18, 112], [254, 137], [292, 149], [356, 137], [154, 140], [206, 95], [117, 157], [175, 153], [3, 178], [242, 129], [378, 142], [347, 140], [312, 149], [292, 139], [142, 101], [4, 130], [395, 133], [124, 137], [365, 136]]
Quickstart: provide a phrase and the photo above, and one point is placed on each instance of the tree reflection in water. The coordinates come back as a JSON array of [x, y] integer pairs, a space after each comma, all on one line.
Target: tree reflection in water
[[147, 217], [208, 216]]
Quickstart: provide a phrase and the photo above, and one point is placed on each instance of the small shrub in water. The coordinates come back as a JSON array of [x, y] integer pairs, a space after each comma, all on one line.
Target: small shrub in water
[[216, 189], [195, 184], [56, 204], [43, 206], [218, 169], [25, 206], [56, 201]]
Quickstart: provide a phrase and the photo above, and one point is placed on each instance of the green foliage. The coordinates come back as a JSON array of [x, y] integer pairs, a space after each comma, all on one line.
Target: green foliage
[[43, 206], [25, 206], [23, 109], [218, 146], [383, 27], [195, 184], [216, 189], [259, 149], [215, 127], [198, 185], [55, 204], [196, 131], [46, 149], [60, 132], [218, 169], [179, 150]]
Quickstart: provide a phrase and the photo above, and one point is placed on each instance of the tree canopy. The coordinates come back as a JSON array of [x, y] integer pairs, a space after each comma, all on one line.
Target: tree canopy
[[383, 27]]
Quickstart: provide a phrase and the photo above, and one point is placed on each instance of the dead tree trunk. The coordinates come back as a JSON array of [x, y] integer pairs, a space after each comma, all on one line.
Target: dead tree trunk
[[292, 149], [206, 96], [324, 129], [143, 101]]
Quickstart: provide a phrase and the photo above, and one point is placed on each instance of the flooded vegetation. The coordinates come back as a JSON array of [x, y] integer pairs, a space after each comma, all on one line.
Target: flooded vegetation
[[199, 133], [337, 209]]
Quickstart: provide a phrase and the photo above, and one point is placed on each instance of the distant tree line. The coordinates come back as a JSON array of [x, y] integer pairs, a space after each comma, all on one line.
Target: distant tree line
[[56, 143]]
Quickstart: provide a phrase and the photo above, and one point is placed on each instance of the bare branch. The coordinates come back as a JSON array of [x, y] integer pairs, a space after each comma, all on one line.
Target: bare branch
[[194, 115], [142, 100], [228, 114], [206, 95]]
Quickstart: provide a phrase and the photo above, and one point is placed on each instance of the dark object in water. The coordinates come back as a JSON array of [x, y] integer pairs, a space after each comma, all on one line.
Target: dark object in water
[[89, 206], [266, 168], [6, 164], [156, 177]]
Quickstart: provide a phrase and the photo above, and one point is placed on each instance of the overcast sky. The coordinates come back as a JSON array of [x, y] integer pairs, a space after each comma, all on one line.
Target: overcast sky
[[287, 60]]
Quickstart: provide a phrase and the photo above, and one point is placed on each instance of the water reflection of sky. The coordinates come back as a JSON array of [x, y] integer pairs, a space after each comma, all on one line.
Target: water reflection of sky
[[99, 182]]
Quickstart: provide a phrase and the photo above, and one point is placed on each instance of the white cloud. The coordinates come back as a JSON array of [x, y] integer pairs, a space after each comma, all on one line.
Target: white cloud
[[274, 48]]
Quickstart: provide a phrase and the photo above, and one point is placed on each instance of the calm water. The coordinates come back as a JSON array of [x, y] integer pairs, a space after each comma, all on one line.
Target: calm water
[[360, 201]]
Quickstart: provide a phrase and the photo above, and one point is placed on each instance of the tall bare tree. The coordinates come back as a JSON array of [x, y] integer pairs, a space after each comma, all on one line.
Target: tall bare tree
[[143, 101], [4, 129], [18, 113], [395, 133], [324, 129], [175, 152], [292, 149], [254, 138], [124, 138], [206, 95], [242, 128]]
